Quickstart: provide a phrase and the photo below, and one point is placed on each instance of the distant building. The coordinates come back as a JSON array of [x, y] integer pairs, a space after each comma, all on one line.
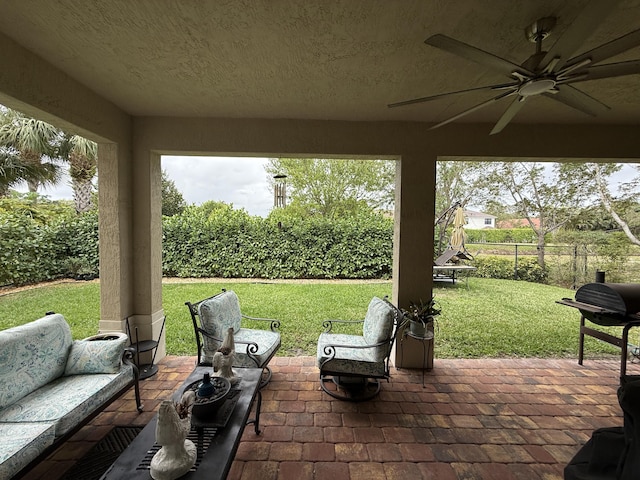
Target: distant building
[[479, 220], [518, 222]]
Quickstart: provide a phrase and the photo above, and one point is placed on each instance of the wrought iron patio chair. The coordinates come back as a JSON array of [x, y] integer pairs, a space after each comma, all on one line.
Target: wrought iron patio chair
[[253, 347], [351, 366]]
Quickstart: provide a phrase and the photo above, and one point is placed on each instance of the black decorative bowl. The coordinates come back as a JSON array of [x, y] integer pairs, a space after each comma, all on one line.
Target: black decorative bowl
[[205, 408]]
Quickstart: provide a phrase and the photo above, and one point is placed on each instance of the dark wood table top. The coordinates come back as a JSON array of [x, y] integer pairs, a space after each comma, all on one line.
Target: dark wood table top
[[217, 445]]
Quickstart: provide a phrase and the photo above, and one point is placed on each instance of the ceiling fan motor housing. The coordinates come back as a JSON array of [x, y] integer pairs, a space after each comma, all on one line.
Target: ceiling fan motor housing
[[536, 86]]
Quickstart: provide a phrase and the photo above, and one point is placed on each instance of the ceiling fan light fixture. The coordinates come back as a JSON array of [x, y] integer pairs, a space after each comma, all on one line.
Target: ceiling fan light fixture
[[536, 87]]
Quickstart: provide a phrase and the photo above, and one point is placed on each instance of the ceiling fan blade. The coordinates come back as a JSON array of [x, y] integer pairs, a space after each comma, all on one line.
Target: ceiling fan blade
[[579, 100], [610, 70], [610, 49], [508, 115], [578, 31], [474, 54], [442, 95], [473, 109]]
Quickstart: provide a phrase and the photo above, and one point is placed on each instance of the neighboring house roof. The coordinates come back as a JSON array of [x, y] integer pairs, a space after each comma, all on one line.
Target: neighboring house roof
[[518, 222], [471, 213]]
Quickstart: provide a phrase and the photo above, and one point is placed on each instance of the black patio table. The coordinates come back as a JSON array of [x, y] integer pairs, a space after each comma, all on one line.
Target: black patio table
[[216, 441]]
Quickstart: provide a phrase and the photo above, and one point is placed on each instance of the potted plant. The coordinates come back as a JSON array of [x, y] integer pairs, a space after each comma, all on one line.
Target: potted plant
[[420, 317]]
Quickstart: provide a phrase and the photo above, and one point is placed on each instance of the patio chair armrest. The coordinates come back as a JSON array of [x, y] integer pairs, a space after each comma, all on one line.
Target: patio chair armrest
[[328, 324], [203, 332], [252, 347], [330, 348], [274, 325]]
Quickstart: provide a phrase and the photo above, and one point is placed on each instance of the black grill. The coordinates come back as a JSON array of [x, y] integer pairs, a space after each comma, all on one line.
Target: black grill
[[607, 304]]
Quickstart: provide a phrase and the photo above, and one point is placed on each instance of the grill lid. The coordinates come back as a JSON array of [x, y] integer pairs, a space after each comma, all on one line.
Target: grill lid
[[618, 300]]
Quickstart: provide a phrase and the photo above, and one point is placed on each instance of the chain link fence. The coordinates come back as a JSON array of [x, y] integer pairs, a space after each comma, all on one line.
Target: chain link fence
[[567, 265]]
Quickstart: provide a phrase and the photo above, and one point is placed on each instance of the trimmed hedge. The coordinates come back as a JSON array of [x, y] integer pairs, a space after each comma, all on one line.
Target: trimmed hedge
[[235, 244], [230, 243], [502, 235]]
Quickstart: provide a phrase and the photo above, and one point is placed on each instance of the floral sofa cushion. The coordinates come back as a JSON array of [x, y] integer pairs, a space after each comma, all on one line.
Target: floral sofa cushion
[[38, 404], [93, 355], [32, 355], [66, 401], [21, 444]]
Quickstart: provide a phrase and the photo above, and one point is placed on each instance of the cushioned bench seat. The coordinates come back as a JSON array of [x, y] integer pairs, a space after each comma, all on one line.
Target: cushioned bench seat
[[76, 397], [22, 443]]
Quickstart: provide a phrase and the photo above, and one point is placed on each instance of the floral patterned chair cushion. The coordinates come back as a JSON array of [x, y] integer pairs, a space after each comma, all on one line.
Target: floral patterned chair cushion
[[378, 325], [221, 312], [217, 314], [268, 343], [351, 366], [349, 361]]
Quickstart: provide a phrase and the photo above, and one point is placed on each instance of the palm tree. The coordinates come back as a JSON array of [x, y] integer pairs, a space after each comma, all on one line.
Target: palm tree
[[82, 155], [13, 171], [30, 146]]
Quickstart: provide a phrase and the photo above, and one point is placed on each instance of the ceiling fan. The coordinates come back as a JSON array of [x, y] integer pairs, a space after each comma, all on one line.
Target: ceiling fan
[[549, 73]]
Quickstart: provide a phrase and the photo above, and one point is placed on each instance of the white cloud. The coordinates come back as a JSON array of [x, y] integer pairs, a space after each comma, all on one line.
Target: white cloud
[[237, 180]]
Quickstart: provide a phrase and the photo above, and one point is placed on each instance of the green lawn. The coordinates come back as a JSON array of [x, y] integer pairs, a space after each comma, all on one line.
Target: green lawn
[[486, 318]]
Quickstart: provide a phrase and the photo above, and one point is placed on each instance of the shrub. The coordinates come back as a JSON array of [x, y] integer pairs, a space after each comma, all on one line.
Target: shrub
[[505, 268]]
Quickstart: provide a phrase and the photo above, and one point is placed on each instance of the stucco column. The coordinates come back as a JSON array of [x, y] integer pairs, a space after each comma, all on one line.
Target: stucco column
[[130, 201], [413, 246], [147, 248], [116, 270]]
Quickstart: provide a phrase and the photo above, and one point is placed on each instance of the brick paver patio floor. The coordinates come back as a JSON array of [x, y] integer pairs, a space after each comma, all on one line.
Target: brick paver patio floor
[[473, 420]]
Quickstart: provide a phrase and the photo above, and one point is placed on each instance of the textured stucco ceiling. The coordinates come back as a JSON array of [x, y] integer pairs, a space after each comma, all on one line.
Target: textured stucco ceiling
[[301, 59]]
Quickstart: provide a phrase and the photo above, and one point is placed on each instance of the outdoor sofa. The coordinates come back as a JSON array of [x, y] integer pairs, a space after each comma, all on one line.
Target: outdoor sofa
[[52, 386]]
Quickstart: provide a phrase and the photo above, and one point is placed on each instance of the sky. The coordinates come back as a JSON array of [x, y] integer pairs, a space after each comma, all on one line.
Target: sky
[[240, 181]]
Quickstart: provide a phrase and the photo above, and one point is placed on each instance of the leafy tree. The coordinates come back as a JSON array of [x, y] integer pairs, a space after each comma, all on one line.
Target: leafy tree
[[623, 209], [333, 188], [173, 202], [457, 183], [28, 149], [592, 218], [214, 207], [82, 155], [553, 198], [36, 207]]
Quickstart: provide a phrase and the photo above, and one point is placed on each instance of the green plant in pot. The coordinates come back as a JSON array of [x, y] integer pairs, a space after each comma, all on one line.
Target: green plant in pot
[[420, 317]]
